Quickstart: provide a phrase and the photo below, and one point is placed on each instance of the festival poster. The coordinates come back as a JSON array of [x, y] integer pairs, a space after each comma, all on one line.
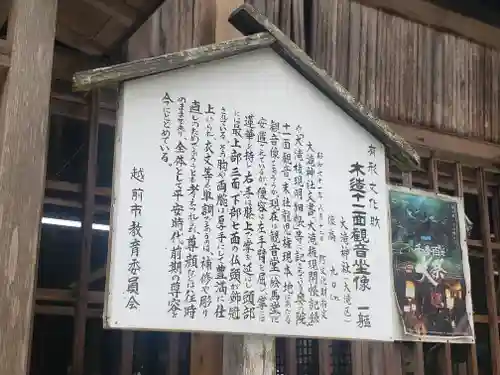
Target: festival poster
[[430, 264]]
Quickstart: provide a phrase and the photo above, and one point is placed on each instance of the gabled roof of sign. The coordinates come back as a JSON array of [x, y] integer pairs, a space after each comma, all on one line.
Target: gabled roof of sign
[[261, 33]]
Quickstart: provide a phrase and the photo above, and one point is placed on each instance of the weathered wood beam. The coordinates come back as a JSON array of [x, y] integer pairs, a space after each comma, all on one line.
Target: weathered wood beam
[[449, 147], [489, 275], [24, 112], [79, 111], [75, 188], [60, 202], [71, 38], [65, 311], [98, 274], [66, 295], [112, 75], [248, 355], [120, 11], [426, 13]]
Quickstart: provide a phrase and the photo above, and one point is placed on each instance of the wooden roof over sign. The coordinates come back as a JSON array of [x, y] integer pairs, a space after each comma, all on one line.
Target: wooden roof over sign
[[261, 33], [96, 27]]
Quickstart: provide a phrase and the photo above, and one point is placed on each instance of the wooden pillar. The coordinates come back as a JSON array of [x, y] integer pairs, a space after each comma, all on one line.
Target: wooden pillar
[[489, 272], [80, 320], [248, 355], [23, 148]]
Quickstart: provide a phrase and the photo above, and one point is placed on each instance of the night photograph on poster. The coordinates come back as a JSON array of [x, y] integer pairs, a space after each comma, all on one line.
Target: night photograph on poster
[[428, 267]]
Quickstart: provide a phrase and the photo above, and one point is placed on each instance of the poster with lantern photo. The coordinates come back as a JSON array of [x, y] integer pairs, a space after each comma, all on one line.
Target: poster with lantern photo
[[431, 272]]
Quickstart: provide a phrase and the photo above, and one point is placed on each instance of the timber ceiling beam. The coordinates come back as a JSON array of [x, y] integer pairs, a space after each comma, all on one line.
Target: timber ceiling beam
[[121, 12], [428, 14]]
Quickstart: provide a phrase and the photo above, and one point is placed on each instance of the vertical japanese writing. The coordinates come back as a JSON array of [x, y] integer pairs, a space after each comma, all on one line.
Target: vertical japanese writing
[[191, 258], [345, 252], [360, 238], [323, 281], [235, 214], [274, 211], [249, 301], [178, 211], [207, 210], [262, 301], [299, 225], [362, 278], [166, 128], [312, 236], [222, 218], [134, 267], [286, 209], [373, 188]]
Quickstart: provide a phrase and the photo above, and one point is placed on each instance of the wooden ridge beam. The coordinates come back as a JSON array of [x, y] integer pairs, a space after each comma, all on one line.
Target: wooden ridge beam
[[428, 14]]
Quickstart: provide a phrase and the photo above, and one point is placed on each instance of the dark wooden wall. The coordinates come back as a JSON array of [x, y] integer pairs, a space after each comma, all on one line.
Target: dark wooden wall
[[404, 71]]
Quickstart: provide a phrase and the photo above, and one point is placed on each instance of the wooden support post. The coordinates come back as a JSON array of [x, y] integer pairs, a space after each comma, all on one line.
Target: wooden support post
[[488, 271], [80, 322], [127, 353], [248, 355], [459, 192], [206, 354], [291, 356], [324, 356], [24, 127], [445, 354]]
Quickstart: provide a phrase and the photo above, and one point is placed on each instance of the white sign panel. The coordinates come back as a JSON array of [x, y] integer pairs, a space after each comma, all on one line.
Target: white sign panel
[[247, 202]]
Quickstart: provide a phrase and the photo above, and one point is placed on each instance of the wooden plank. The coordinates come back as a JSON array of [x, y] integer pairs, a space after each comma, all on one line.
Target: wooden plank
[[291, 356], [120, 11], [418, 347], [324, 359], [223, 29], [78, 358], [80, 112], [206, 354], [75, 188], [449, 145], [489, 273], [249, 21], [66, 295], [248, 355], [65, 311], [24, 126], [445, 360], [426, 13], [459, 192], [127, 353], [173, 353], [83, 81]]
